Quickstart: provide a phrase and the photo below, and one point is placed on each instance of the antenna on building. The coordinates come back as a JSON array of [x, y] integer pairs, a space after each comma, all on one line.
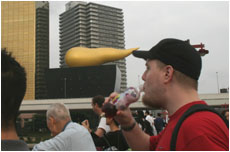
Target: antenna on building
[[201, 51]]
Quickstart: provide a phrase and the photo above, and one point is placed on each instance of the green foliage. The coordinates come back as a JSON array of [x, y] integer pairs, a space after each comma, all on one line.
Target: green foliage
[[34, 130], [39, 122]]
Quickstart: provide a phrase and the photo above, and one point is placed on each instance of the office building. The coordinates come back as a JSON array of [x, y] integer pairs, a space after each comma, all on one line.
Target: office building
[[92, 25], [25, 33]]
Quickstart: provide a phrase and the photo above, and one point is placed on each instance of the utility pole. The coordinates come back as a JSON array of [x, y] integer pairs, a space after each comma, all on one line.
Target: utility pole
[[217, 79], [65, 87]]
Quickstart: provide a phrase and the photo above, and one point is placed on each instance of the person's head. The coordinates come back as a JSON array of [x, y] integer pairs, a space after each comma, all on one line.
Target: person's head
[[111, 121], [225, 113], [57, 116], [170, 63], [97, 103], [13, 82], [147, 113], [158, 114], [140, 114]]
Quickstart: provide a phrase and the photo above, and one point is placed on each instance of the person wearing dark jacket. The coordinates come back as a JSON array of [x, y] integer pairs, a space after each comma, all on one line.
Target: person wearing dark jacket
[[113, 140], [159, 123], [145, 125]]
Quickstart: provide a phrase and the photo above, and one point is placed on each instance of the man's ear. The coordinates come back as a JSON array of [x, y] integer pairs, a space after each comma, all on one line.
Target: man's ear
[[52, 120], [96, 105], [168, 73], [109, 119]]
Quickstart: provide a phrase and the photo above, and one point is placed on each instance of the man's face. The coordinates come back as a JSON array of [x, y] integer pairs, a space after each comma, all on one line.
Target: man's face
[[95, 108], [153, 86], [51, 126], [109, 121], [227, 115]]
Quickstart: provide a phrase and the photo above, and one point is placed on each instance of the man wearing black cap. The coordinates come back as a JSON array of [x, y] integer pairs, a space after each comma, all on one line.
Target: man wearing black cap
[[171, 81]]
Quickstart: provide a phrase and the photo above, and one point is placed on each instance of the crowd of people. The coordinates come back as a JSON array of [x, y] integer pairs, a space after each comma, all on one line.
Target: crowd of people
[[170, 82]]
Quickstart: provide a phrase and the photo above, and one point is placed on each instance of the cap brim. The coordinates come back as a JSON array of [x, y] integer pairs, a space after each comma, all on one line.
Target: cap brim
[[142, 54]]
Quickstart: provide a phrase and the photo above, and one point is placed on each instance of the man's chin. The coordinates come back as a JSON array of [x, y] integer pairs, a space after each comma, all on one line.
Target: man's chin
[[150, 103]]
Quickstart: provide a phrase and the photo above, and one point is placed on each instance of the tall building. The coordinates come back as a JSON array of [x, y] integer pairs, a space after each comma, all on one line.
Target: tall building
[[25, 33], [92, 25]]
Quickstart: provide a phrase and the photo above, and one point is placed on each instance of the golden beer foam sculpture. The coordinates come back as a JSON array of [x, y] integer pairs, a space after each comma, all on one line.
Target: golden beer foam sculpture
[[80, 56]]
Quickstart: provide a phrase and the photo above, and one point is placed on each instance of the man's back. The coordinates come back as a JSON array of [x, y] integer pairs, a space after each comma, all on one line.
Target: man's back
[[102, 124], [150, 119], [74, 137], [200, 131], [13, 145], [159, 124]]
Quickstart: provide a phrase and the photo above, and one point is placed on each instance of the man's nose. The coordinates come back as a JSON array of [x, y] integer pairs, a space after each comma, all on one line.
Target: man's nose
[[143, 76]]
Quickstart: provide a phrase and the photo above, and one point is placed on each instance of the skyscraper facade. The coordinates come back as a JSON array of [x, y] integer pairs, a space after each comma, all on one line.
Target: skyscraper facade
[[92, 25], [25, 33]]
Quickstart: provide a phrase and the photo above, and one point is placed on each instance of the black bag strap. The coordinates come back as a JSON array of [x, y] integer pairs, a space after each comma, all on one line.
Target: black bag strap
[[107, 141], [190, 111]]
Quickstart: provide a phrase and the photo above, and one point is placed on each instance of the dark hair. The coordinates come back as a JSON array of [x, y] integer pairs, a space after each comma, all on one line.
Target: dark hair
[[140, 114], [159, 114], [116, 123], [13, 88], [147, 112], [99, 100]]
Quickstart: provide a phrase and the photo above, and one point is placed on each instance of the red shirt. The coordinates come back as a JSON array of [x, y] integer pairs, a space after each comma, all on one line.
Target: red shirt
[[203, 131]]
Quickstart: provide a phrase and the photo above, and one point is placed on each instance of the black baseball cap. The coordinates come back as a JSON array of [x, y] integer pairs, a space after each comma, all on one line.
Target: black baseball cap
[[179, 54]]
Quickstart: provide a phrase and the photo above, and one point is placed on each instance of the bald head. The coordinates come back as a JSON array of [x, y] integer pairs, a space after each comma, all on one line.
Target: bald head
[[58, 111]]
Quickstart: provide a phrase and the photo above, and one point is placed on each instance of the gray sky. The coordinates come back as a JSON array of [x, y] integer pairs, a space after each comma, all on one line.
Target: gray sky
[[147, 22]]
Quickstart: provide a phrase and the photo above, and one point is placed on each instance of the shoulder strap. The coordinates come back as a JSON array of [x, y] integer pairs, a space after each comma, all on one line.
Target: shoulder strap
[[107, 140], [190, 111]]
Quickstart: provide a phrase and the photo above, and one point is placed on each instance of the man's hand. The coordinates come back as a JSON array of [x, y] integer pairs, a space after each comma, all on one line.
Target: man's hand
[[135, 137], [85, 124], [123, 117]]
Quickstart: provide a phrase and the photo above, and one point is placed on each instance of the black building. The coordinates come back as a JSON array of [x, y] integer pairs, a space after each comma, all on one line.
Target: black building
[[42, 49], [82, 82]]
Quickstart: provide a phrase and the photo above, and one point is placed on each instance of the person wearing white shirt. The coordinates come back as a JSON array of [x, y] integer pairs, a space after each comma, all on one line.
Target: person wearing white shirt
[[97, 103], [150, 119], [68, 135]]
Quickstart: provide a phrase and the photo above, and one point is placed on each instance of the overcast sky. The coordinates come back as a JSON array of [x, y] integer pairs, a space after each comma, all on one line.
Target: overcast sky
[[146, 23]]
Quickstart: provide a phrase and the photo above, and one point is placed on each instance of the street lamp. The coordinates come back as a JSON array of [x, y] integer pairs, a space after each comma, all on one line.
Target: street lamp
[[65, 87], [217, 82]]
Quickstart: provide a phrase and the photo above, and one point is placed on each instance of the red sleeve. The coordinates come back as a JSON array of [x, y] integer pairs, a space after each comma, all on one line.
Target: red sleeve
[[203, 131], [154, 141]]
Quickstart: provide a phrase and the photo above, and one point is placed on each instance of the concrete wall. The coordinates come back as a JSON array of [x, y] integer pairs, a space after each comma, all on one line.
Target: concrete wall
[[85, 103]]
